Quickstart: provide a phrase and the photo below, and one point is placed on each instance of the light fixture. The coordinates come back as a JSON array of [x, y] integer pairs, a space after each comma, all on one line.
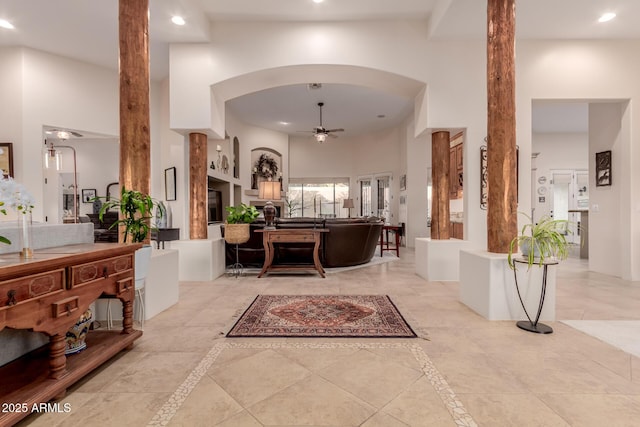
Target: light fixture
[[269, 190], [178, 20], [321, 137], [52, 154], [6, 24], [606, 17], [318, 1], [348, 204]]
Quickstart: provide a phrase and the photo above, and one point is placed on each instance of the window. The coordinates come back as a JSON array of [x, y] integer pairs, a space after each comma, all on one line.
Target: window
[[317, 198], [384, 197], [365, 198]]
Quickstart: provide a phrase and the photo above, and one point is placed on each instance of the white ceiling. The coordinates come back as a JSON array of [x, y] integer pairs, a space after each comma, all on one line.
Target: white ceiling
[[87, 31]]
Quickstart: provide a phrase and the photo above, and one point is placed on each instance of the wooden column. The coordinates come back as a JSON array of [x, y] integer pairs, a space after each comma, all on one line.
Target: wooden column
[[135, 138], [197, 186], [440, 170], [501, 126]]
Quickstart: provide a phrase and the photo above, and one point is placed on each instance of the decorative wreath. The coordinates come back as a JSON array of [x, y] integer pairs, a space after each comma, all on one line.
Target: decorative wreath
[[266, 166]]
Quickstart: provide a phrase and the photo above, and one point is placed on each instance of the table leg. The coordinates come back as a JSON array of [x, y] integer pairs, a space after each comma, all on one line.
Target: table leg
[[529, 325], [381, 241], [316, 258], [267, 255]]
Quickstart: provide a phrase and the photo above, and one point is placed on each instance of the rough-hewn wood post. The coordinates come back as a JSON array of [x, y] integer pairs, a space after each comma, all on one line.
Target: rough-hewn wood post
[[440, 170], [501, 126], [197, 186], [135, 138]]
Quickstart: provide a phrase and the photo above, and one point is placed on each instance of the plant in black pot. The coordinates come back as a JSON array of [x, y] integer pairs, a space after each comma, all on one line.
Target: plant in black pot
[[236, 229], [541, 241], [136, 209]]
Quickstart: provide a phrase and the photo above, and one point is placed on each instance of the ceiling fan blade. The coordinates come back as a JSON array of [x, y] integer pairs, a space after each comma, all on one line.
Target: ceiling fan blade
[[335, 130], [332, 135]]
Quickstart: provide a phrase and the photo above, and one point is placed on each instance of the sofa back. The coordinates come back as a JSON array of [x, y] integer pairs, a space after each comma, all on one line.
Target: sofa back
[[350, 241]]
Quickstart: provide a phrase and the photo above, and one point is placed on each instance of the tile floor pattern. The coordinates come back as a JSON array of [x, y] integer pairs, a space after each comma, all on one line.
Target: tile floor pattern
[[462, 369]]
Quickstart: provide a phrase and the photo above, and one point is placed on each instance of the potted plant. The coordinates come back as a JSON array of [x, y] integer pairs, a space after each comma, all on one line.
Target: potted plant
[[136, 209], [236, 229], [541, 241]]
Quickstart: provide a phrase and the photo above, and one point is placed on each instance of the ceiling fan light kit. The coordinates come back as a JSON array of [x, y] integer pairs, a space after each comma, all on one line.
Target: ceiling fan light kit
[[320, 133]]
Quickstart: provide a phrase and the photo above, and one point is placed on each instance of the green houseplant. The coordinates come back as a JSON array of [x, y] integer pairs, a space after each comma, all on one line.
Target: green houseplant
[[136, 209], [541, 241], [237, 229]]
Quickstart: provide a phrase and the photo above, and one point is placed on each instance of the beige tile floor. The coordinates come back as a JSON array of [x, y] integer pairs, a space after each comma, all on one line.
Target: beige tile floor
[[463, 370]]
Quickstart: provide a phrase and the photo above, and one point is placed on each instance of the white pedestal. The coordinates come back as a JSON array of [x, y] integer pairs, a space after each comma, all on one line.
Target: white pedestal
[[161, 289], [200, 260], [487, 286], [439, 260]]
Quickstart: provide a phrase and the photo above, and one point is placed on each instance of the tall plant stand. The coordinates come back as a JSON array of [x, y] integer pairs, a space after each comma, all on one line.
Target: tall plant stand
[[529, 325], [236, 269]]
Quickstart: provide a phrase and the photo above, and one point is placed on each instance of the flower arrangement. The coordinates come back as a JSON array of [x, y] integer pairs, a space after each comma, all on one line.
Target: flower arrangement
[[15, 196], [266, 166]]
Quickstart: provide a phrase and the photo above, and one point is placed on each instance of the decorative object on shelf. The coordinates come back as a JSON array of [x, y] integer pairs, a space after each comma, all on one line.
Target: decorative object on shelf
[[161, 215], [170, 183], [88, 195], [15, 196], [266, 166], [75, 337], [541, 242], [225, 164], [348, 204], [269, 190], [97, 204], [542, 191], [254, 179], [212, 165], [6, 159], [603, 168]]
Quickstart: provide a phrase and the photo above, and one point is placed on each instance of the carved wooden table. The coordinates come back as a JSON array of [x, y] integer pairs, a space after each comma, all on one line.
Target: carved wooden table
[[48, 293], [291, 235]]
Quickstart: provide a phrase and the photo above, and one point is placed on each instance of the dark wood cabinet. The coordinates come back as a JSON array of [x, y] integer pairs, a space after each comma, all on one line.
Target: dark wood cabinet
[[48, 294], [455, 172]]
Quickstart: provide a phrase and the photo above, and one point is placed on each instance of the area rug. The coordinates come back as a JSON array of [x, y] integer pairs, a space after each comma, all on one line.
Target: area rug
[[354, 316]]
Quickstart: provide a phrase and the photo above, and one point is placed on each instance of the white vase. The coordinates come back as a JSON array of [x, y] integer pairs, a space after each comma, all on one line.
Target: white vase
[[25, 226]]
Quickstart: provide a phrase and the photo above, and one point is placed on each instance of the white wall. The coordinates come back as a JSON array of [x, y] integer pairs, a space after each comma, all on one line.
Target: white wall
[[557, 151]]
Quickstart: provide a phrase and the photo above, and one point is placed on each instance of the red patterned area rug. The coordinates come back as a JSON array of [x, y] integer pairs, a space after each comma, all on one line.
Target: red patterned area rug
[[355, 316]]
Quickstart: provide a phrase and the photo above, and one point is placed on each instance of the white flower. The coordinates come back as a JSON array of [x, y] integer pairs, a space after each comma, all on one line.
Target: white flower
[[14, 196]]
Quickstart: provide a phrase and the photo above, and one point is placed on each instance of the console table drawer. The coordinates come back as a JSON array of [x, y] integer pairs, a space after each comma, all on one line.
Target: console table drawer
[[102, 269], [25, 288], [292, 238]]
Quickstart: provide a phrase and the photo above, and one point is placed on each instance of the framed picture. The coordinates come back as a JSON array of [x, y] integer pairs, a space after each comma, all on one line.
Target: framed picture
[[603, 168], [88, 194], [6, 159], [403, 182], [170, 183]]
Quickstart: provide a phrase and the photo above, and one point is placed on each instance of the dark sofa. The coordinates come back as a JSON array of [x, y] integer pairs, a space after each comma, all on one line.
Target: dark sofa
[[350, 241]]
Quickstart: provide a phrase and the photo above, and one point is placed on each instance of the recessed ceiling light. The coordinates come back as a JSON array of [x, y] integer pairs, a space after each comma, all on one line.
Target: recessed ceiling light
[[318, 1], [6, 24], [285, 123], [178, 20], [607, 17]]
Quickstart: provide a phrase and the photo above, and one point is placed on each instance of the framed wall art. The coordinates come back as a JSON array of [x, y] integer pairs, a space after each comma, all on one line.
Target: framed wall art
[[6, 159], [170, 183], [603, 168], [88, 194]]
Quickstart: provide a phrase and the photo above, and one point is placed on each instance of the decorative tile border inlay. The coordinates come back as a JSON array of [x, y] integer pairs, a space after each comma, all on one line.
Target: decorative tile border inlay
[[455, 407]]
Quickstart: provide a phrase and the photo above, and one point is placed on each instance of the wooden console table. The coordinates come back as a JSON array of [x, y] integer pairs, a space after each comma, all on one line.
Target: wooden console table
[[291, 235], [48, 293]]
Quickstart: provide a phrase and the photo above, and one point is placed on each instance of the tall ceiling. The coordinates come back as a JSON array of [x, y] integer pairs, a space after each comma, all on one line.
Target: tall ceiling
[[87, 31]]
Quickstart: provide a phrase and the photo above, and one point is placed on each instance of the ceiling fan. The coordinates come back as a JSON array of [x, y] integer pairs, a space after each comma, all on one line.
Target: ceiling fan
[[319, 132], [64, 134]]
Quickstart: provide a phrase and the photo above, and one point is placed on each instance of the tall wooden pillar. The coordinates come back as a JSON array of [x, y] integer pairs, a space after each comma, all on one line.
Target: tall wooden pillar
[[502, 203], [135, 138], [197, 186], [440, 170]]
